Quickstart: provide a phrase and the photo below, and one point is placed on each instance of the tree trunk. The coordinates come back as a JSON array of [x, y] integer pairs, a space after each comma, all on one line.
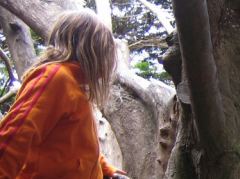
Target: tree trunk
[[139, 113], [207, 141], [19, 41]]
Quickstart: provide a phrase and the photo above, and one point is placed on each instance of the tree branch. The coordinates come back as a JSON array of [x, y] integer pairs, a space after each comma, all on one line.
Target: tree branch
[[8, 95], [19, 41], [6, 60], [139, 85], [36, 14], [160, 15], [153, 42]]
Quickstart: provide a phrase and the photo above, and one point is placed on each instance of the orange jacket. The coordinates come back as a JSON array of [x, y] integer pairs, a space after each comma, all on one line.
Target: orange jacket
[[50, 132]]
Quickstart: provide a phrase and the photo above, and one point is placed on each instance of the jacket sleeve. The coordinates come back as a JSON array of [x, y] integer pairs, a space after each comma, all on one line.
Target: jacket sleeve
[[38, 107], [107, 169]]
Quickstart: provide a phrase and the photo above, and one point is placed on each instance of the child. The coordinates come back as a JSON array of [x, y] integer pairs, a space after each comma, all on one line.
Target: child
[[49, 132]]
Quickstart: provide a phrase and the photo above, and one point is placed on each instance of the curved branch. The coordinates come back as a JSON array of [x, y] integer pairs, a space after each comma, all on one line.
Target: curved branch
[[19, 41], [36, 14], [139, 85], [6, 60]]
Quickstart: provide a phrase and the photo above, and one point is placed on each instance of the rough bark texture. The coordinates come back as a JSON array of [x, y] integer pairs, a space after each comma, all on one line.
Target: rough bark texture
[[19, 41], [137, 131], [207, 146], [108, 141], [139, 112], [201, 73]]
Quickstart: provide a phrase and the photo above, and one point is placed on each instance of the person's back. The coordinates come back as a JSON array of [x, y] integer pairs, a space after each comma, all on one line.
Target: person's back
[[50, 132]]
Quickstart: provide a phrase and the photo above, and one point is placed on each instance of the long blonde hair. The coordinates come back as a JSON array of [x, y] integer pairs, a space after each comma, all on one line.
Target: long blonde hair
[[81, 37]]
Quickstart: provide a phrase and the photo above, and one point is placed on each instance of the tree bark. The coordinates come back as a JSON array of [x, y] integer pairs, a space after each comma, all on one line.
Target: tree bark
[[207, 141], [7, 62], [36, 14], [19, 41], [143, 119], [201, 73]]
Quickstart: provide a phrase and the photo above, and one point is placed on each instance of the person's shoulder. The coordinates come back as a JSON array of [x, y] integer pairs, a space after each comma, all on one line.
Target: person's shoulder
[[59, 72]]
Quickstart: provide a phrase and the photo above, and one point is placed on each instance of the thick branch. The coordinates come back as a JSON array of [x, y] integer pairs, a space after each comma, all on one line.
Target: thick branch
[[139, 85], [19, 41], [196, 49], [37, 14], [160, 15], [6, 60]]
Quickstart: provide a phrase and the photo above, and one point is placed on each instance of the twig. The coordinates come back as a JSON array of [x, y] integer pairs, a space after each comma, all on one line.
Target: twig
[[5, 86], [148, 43], [6, 60]]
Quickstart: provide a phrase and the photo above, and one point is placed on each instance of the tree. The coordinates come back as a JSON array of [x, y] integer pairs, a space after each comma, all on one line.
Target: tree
[[150, 99]]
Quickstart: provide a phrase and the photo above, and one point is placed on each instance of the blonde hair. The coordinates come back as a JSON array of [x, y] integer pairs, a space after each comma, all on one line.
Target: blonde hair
[[82, 37]]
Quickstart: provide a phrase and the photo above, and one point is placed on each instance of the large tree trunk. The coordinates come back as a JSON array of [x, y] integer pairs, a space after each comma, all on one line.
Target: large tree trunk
[[139, 112], [207, 141]]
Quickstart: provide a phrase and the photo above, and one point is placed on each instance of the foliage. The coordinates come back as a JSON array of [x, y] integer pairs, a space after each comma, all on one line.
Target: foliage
[[5, 82], [133, 22], [38, 42], [148, 71]]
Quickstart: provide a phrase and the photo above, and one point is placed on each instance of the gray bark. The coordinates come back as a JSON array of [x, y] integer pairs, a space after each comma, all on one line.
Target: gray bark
[[139, 112], [201, 73], [37, 14], [19, 41]]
